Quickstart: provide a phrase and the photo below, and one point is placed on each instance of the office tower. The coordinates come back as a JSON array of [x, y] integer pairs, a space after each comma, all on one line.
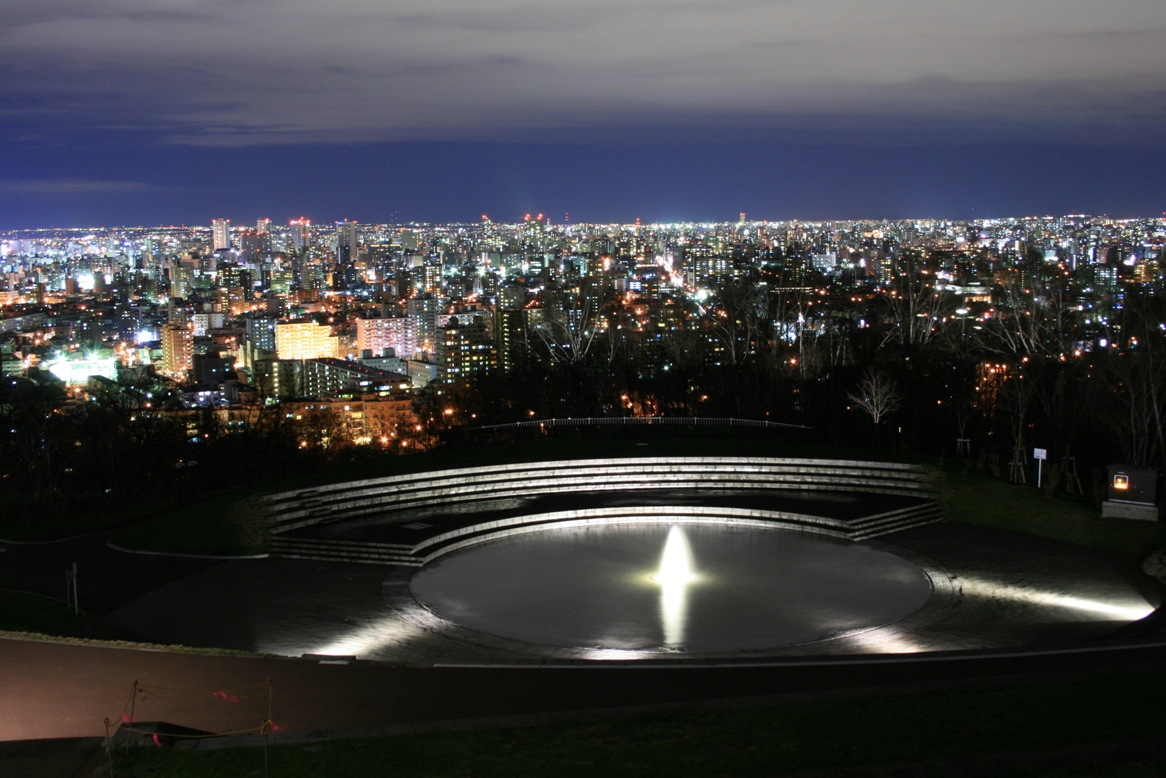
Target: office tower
[[346, 243], [301, 233], [221, 232], [263, 226]]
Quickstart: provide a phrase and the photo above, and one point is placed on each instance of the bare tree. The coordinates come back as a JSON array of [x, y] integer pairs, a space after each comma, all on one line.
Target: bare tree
[[1032, 317], [1016, 394], [916, 307], [570, 328], [877, 395], [735, 319], [37, 440], [1137, 393]]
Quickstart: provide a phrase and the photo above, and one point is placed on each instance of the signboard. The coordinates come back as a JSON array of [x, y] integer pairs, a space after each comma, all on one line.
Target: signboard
[[1040, 453]]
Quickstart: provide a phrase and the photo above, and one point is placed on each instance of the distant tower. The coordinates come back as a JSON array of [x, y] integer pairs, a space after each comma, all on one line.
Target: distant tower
[[221, 228], [742, 220], [263, 226], [301, 233], [346, 247]]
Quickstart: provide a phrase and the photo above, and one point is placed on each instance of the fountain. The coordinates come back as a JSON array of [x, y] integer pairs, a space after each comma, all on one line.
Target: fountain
[[633, 590], [675, 574]]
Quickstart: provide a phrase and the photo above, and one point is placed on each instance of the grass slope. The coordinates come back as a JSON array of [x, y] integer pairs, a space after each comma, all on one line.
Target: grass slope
[[1050, 728], [227, 525], [31, 613], [990, 502]]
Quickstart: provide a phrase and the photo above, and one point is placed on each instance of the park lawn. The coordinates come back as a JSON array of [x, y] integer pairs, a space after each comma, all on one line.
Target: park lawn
[[14, 528], [232, 524], [1034, 728], [31, 613], [991, 502]]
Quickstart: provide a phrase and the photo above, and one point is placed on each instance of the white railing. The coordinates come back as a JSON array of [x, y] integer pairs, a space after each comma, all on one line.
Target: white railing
[[641, 421]]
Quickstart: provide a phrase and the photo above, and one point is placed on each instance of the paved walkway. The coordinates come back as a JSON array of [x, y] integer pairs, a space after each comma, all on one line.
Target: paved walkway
[[54, 690], [1015, 590], [106, 579], [1018, 590]]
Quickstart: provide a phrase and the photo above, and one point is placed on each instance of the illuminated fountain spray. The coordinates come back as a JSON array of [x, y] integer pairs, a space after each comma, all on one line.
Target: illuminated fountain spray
[[675, 574]]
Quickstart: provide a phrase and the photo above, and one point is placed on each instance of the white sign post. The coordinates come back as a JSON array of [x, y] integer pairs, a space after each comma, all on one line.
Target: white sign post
[[1040, 455]]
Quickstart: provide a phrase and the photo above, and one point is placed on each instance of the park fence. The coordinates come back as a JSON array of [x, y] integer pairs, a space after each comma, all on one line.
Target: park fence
[[638, 421]]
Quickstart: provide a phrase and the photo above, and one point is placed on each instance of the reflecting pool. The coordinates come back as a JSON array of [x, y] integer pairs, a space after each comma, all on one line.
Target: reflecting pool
[[649, 587]]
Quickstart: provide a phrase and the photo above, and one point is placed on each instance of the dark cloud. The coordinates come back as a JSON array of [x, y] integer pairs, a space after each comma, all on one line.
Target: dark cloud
[[213, 72], [28, 13], [70, 187]]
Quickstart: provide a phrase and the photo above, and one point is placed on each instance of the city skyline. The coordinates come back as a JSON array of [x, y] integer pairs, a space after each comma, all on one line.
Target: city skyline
[[666, 111]]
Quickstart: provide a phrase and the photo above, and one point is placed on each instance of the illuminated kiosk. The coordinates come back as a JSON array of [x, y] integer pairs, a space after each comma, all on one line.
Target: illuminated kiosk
[[630, 558], [1132, 493]]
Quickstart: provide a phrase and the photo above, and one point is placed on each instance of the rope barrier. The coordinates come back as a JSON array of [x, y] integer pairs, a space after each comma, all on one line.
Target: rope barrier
[[262, 729], [202, 695], [185, 695]]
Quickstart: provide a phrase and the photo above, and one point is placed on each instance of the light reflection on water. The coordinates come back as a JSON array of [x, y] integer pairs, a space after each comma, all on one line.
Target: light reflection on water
[[675, 574], [609, 587]]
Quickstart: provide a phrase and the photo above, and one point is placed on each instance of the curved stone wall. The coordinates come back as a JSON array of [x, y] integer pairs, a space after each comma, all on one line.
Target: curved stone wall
[[452, 494]]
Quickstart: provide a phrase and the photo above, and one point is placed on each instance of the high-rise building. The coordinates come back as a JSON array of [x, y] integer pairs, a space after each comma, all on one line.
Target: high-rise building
[[301, 233], [399, 334], [181, 279], [432, 282], [313, 280], [234, 288], [177, 350], [464, 348], [304, 340], [260, 331], [510, 327], [263, 226], [423, 309], [221, 233], [346, 243]]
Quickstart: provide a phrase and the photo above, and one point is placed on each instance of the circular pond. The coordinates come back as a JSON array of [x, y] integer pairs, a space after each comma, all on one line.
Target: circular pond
[[649, 588]]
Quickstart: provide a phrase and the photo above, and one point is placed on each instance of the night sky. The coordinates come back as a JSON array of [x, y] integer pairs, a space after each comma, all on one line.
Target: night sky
[[179, 111]]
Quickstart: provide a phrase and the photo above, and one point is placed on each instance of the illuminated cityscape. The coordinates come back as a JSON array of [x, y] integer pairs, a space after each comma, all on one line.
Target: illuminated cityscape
[[480, 364], [467, 325]]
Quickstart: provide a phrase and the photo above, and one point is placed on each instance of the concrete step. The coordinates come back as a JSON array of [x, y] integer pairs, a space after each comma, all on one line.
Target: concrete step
[[342, 543], [889, 528], [304, 548], [898, 513], [320, 557]]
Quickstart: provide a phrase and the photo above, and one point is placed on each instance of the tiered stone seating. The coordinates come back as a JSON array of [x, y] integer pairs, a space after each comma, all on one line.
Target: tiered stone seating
[[451, 494]]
